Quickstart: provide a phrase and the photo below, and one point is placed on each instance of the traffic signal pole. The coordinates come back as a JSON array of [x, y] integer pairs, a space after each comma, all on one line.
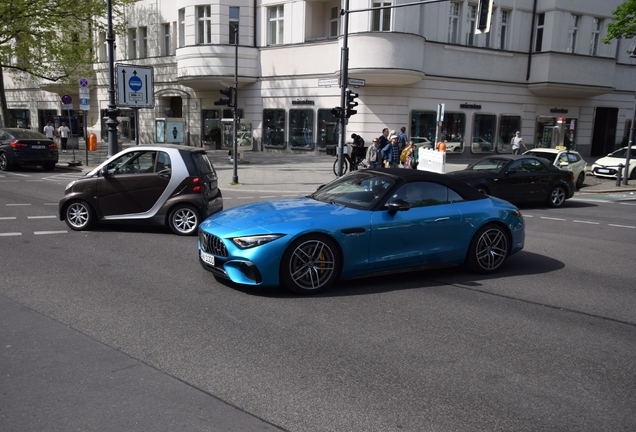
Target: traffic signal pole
[[235, 179], [344, 81]]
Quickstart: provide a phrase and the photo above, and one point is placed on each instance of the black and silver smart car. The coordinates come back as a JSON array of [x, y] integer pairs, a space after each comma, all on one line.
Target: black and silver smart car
[[167, 184], [26, 147]]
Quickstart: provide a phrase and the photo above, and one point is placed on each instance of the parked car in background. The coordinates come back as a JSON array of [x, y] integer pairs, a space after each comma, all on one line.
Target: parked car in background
[[481, 145], [423, 142], [26, 147], [369, 221], [519, 178], [608, 166], [564, 159], [165, 184]]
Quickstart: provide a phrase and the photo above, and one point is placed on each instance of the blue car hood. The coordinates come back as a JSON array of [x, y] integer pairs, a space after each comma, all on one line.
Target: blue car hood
[[276, 212]]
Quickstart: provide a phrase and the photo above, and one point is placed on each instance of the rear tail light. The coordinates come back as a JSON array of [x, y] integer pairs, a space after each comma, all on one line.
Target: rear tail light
[[53, 145], [17, 144], [197, 186]]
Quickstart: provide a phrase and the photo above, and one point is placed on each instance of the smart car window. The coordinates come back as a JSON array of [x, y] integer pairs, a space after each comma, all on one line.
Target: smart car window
[[203, 163], [125, 164], [163, 162]]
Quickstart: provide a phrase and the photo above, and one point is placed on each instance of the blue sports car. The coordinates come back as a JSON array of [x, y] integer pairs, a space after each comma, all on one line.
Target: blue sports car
[[367, 222]]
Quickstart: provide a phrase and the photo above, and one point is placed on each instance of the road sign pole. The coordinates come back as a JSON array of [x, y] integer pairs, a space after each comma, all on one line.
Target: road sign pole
[[112, 111]]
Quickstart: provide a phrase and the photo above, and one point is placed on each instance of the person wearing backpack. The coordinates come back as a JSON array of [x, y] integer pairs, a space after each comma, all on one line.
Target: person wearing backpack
[[402, 138]]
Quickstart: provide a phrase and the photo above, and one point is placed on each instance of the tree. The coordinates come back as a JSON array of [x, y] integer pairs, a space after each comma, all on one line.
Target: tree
[[51, 40], [624, 25]]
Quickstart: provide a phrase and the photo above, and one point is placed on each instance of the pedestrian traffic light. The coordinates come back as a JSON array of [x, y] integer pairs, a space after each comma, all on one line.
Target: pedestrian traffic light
[[229, 100], [336, 112], [351, 103], [484, 13]]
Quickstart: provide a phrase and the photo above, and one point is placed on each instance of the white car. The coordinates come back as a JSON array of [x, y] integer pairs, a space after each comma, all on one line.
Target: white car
[[608, 166], [565, 159]]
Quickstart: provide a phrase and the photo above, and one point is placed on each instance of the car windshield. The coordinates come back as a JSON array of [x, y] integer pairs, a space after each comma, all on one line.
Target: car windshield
[[488, 164], [620, 153], [27, 134], [360, 190]]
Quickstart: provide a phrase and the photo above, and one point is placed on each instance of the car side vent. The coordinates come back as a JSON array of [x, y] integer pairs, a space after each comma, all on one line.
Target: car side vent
[[212, 244]]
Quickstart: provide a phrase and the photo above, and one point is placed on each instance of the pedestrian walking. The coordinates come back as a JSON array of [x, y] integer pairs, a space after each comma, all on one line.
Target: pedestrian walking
[[391, 153], [49, 131], [64, 132], [374, 154], [517, 142], [411, 156], [402, 138], [384, 138]]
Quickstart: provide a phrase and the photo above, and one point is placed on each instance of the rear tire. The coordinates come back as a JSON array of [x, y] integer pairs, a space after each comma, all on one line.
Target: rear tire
[[488, 249], [79, 216], [557, 196], [184, 220], [580, 180], [4, 162]]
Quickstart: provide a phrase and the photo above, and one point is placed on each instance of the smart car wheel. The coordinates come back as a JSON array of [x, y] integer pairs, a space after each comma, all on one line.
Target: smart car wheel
[[488, 249], [184, 220], [557, 196], [310, 265], [579, 181], [4, 162], [79, 216]]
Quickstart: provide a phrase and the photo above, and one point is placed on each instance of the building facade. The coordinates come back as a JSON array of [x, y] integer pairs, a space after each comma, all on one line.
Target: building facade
[[542, 69]]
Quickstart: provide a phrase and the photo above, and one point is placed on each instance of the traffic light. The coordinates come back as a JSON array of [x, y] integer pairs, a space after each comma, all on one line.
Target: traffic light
[[484, 13], [336, 112], [351, 103], [229, 100]]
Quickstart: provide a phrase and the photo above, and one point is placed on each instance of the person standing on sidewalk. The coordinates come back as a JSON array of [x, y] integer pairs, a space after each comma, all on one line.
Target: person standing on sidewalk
[[374, 154], [517, 142], [49, 131], [64, 133], [391, 153]]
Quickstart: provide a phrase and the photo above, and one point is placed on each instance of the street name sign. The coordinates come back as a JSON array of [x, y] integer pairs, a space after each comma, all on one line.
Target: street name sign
[[135, 86]]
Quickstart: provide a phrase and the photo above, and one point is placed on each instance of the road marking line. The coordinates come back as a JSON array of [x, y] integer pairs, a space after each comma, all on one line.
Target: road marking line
[[268, 196], [551, 218], [245, 197], [49, 232], [9, 181], [10, 234], [41, 217], [622, 226], [586, 222], [8, 218], [34, 180], [51, 204], [634, 204], [526, 215], [15, 205]]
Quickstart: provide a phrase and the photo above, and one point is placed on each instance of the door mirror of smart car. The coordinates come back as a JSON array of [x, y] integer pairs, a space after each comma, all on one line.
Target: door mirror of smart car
[[396, 204], [104, 172]]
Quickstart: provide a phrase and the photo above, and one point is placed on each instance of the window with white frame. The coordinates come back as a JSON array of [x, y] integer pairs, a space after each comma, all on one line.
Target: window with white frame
[[132, 43], [167, 40], [181, 28], [381, 18], [234, 24], [573, 33], [472, 15], [538, 32], [204, 25], [486, 39], [275, 15], [453, 23], [596, 36], [143, 42], [103, 47], [334, 22], [502, 41]]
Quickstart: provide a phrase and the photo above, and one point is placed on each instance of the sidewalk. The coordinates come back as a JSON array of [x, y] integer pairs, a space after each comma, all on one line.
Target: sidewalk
[[286, 172]]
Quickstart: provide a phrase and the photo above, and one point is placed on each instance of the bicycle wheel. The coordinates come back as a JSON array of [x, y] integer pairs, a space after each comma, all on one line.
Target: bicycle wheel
[[345, 167]]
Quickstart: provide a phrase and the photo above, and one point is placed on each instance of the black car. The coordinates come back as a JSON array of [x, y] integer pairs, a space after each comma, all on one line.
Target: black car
[[26, 147], [163, 184], [519, 178]]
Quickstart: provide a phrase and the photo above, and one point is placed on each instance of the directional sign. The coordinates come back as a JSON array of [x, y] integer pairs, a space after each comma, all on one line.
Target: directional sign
[[135, 86], [67, 99]]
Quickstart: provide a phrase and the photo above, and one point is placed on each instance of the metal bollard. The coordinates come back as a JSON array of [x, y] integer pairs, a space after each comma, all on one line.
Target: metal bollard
[[619, 173]]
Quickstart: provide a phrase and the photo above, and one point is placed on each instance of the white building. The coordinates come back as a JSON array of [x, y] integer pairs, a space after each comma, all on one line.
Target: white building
[[542, 69]]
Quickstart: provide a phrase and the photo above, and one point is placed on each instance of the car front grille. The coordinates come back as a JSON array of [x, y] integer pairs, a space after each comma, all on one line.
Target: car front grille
[[212, 244]]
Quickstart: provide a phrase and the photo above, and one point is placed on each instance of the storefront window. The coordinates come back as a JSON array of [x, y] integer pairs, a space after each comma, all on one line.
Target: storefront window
[[484, 127], [508, 125], [211, 127], [301, 126], [328, 129], [423, 127], [547, 132], [19, 118], [274, 128], [453, 131]]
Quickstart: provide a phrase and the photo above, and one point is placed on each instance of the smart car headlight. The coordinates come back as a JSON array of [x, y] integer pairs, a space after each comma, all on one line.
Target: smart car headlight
[[70, 185], [253, 241]]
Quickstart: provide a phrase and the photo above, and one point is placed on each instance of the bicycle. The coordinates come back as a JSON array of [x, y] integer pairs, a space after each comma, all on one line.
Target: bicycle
[[359, 162]]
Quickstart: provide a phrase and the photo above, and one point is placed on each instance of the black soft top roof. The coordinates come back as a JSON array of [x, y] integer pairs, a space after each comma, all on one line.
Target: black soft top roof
[[409, 175]]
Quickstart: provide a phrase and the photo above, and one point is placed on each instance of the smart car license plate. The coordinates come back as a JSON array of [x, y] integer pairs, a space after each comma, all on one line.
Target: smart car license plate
[[38, 147], [207, 258], [602, 170]]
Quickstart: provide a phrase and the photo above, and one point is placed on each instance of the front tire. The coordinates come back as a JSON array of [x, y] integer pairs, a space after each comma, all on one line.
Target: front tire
[[310, 264], [580, 180], [488, 249], [184, 220], [345, 167], [79, 216], [557, 196]]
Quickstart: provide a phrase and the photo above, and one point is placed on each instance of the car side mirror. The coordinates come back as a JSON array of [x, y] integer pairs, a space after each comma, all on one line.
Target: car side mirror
[[564, 164], [397, 204], [104, 171], [511, 171]]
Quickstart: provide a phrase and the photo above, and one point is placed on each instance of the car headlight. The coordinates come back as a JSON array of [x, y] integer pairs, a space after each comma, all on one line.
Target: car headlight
[[70, 185], [253, 241]]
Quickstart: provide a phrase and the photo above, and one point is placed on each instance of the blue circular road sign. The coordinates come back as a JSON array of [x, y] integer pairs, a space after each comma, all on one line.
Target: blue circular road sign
[[135, 83], [67, 99]]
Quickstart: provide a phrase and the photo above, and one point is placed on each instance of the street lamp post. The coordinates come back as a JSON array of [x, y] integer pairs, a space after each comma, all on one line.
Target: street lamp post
[[235, 110], [344, 81], [112, 111]]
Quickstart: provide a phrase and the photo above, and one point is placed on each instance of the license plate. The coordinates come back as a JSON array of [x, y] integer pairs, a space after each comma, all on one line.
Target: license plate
[[602, 170], [38, 147], [207, 258]]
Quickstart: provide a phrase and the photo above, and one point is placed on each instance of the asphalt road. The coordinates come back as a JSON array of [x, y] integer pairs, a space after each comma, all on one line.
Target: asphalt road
[[546, 344]]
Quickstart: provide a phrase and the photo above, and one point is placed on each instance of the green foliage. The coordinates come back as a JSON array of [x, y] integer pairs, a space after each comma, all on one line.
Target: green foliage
[[624, 25]]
